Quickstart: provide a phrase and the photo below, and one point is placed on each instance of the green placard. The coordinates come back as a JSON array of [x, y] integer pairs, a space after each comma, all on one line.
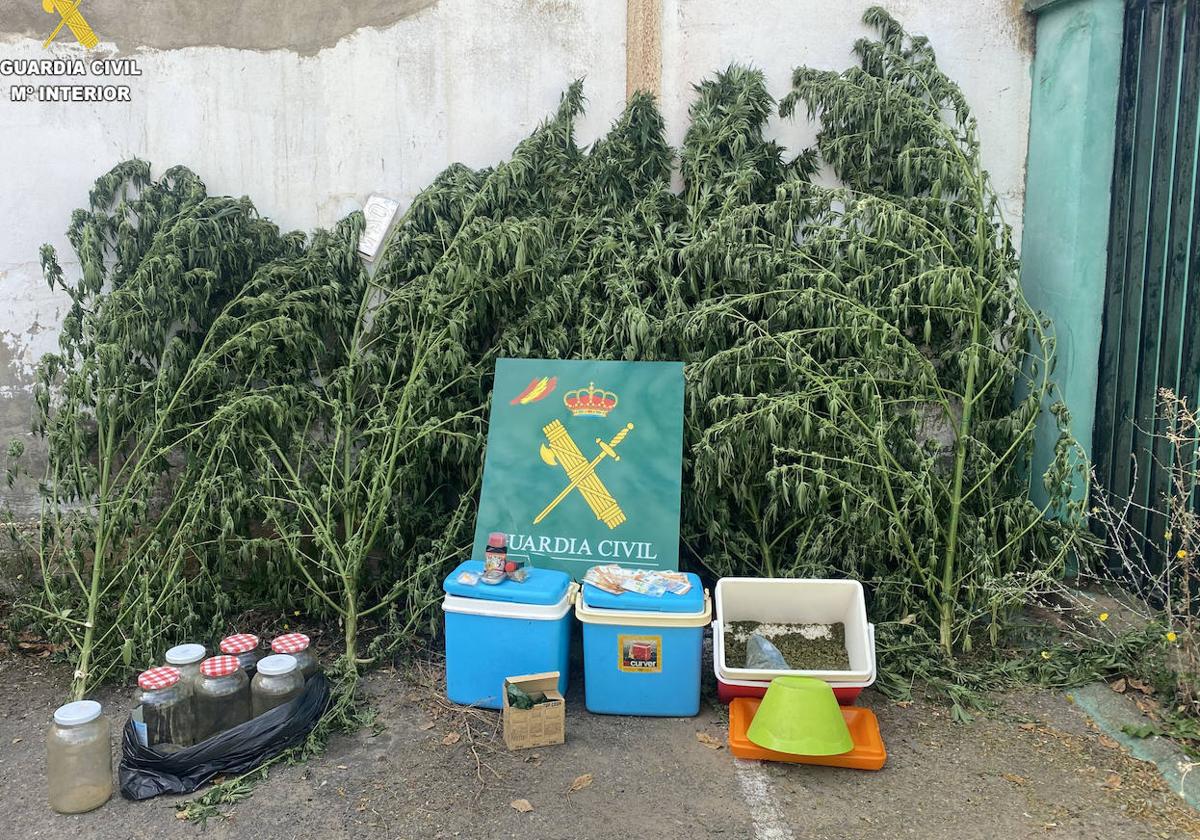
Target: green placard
[[584, 463]]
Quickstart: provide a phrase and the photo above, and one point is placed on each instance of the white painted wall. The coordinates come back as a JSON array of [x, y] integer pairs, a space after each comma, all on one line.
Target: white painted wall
[[308, 137]]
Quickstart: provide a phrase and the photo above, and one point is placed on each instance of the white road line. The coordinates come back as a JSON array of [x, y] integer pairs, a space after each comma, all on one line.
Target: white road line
[[769, 823]]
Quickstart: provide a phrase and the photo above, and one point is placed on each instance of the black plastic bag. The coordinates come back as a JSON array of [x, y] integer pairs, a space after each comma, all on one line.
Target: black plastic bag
[[145, 772]]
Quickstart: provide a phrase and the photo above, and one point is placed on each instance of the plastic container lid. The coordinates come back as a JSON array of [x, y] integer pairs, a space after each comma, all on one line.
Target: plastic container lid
[[543, 587], [691, 601], [239, 643], [77, 713], [185, 654], [496, 539], [276, 665], [290, 643], [219, 666], [154, 679]]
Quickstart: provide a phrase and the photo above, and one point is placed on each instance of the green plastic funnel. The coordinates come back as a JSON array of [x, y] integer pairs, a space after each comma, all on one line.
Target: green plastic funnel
[[801, 716]]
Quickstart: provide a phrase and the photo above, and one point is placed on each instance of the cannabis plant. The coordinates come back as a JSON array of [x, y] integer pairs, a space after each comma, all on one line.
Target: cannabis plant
[[870, 376], [158, 261]]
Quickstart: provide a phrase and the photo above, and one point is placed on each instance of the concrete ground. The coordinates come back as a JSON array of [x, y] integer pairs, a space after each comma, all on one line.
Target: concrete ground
[[1035, 767]]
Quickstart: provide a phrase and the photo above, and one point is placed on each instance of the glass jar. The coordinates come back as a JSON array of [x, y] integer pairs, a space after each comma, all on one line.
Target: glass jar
[[297, 645], [222, 699], [245, 647], [187, 659], [168, 722], [79, 758], [495, 553], [278, 681]]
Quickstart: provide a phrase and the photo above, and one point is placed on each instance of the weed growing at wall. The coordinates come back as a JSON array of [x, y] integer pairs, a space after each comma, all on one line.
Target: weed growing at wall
[[1160, 569]]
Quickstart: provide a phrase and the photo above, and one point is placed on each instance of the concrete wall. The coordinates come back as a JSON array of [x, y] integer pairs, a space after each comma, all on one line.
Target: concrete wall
[[308, 106]]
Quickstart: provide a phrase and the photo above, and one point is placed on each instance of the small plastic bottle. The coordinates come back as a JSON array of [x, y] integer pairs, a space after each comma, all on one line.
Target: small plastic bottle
[[245, 647], [187, 659], [168, 721], [297, 645], [79, 758], [222, 699], [277, 682], [495, 553]]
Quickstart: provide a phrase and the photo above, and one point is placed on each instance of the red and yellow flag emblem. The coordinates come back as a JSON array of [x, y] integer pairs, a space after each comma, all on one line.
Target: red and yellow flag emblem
[[537, 389]]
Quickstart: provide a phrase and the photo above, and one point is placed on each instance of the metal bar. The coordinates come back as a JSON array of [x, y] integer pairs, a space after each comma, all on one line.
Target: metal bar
[[1188, 379], [1185, 17], [1138, 252], [1151, 481], [1104, 431]]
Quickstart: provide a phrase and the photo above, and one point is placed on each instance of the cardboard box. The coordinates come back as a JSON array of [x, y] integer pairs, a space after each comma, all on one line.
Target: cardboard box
[[545, 723]]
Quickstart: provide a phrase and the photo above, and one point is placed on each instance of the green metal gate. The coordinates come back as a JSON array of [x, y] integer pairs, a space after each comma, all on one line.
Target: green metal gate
[[1151, 333]]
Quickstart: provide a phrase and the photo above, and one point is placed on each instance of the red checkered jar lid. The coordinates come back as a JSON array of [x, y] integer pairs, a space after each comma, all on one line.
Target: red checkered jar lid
[[290, 643], [240, 643], [157, 678], [219, 666]]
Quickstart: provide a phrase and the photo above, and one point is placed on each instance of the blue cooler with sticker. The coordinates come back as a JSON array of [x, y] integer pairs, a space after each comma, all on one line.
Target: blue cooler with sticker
[[504, 630], [641, 653]]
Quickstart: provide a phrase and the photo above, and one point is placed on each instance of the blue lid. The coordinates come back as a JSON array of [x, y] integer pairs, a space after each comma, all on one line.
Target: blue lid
[[691, 601], [544, 587]]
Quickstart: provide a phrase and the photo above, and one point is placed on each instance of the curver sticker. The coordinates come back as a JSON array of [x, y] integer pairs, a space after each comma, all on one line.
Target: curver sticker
[[640, 654]]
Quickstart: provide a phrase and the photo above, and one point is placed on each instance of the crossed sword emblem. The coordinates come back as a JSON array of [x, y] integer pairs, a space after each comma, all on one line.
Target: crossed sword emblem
[[582, 472]]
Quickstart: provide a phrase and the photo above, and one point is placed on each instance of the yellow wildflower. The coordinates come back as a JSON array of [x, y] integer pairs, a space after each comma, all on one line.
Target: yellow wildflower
[[1045, 654], [1181, 554], [1171, 636], [1104, 616]]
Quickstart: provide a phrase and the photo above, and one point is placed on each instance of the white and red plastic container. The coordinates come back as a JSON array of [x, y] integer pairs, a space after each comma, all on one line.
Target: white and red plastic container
[[728, 687], [794, 601]]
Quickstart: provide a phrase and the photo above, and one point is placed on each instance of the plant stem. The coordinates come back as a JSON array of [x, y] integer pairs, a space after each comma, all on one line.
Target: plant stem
[[81, 681], [949, 586]]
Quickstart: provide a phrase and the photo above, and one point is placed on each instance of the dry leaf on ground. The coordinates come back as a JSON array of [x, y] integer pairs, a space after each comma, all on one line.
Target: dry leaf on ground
[[1015, 779], [1027, 727], [521, 805], [427, 725], [1113, 782], [708, 741], [1147, 707], [1118, 686], [1110, 743], [581, 782], [451, 739]]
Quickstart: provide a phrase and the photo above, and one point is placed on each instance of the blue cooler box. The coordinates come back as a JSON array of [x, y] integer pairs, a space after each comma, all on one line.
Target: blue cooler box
[[641, 653], [506, 630]]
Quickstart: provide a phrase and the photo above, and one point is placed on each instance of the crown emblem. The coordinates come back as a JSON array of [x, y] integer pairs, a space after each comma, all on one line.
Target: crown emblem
[[590, 402]]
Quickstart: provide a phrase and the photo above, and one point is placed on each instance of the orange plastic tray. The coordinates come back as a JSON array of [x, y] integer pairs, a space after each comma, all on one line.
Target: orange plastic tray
[[868, 752]]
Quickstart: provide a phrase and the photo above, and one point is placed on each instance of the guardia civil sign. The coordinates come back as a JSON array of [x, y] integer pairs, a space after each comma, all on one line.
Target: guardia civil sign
[[584, 463]]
